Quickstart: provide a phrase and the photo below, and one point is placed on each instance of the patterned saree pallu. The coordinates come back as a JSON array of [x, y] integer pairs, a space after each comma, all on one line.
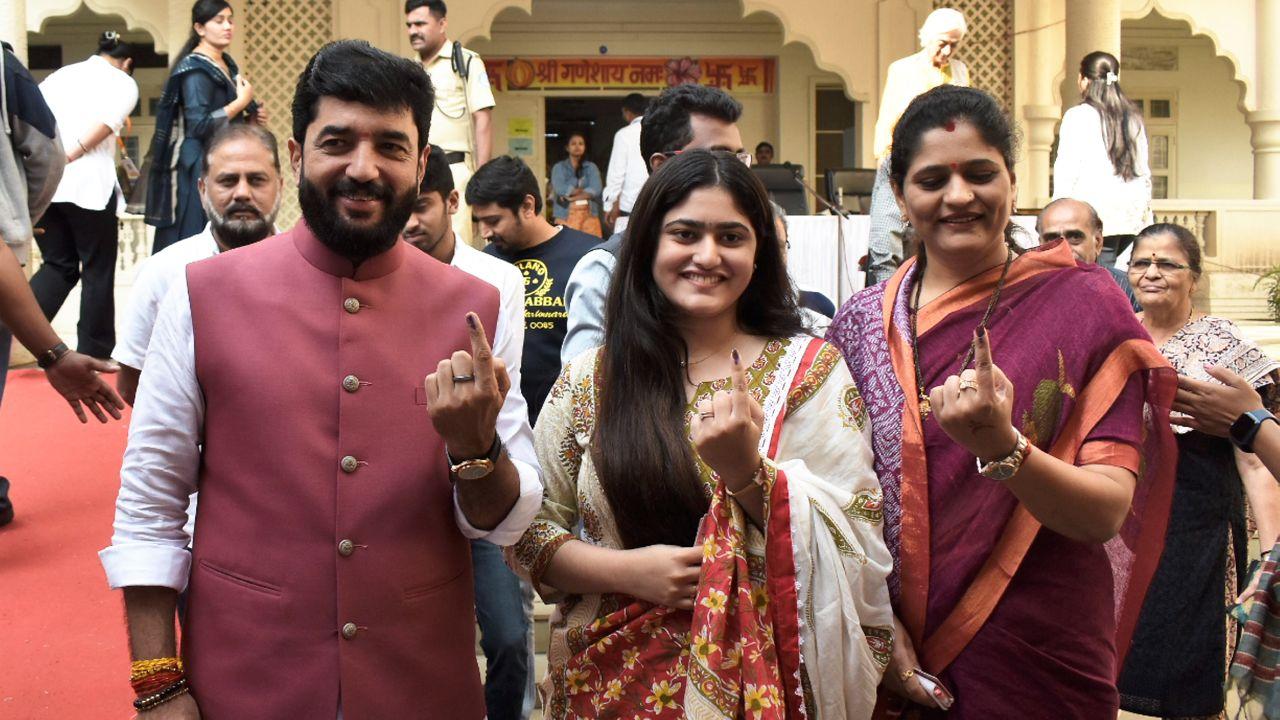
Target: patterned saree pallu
[[719, 661]]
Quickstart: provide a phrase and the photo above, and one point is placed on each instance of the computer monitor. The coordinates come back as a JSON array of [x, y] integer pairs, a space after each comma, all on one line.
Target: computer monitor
[[854, 185], [780, 182]]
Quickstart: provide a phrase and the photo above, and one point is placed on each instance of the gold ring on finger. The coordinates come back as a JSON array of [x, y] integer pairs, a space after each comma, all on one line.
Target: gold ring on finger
[[908, 674], [967, 384]]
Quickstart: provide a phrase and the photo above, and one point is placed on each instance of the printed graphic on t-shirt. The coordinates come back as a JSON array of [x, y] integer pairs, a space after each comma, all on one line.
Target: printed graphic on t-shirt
[[537, 280], [543, 306], [546, 268]]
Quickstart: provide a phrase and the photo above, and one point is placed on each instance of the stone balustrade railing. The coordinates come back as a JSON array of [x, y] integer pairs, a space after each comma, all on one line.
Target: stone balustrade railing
[[1240, 240], [134, 241]]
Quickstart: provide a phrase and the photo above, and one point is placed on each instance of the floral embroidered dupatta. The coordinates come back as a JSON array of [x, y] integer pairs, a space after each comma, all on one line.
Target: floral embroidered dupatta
[[750, 648], [976, 582]]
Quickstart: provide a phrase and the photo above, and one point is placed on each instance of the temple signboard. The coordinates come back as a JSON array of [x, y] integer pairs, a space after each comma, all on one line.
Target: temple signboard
[[739, 75]]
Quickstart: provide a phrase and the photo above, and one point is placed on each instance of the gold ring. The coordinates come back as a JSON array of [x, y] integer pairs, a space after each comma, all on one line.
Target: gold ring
[[966, 384], [908, 674]]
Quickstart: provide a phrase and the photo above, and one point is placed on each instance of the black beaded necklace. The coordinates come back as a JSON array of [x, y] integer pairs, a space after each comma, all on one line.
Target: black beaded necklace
[[925, 405]]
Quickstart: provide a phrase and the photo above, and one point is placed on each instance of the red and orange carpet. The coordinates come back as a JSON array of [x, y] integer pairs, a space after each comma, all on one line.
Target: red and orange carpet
[[63, 649]]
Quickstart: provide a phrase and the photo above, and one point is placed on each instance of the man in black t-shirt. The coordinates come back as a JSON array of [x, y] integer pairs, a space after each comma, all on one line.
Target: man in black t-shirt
[[506, 202]]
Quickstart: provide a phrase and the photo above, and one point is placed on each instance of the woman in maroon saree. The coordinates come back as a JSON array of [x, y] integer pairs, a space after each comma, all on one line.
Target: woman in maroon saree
[[1019, 594]]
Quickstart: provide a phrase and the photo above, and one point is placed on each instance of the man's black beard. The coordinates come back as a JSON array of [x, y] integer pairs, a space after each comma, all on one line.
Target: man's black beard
[[234, 233], [501, 242], [355, 243]]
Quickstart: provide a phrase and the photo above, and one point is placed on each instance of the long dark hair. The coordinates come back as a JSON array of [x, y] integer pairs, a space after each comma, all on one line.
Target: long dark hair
[[1121, 121], [948, 104], [582, 164], [645, 462], [201, 12]]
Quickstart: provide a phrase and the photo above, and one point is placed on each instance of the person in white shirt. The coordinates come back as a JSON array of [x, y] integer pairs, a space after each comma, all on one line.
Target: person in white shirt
[[240, 191], [91, 101], [504, 605], [1102, 155], [627, 170]]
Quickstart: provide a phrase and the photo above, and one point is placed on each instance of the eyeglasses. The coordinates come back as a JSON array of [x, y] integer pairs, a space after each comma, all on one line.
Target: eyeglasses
[[1072, 236], [746, 157], [1164, 267]]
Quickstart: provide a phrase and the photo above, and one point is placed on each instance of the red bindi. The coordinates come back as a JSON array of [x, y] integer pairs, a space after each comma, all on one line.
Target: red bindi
[[955, 167], [950, 126]]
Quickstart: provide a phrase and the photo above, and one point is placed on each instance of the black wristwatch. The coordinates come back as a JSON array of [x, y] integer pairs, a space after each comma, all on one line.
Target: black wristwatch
[[47, 358], [1246, 427], [476, 468]]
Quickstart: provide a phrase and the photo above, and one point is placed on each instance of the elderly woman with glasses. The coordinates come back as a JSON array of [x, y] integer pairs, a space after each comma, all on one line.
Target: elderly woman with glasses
[[1176, 666]]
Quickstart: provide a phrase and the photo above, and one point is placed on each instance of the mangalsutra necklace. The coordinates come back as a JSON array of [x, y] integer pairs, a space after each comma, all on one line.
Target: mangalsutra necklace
[[925, 406]]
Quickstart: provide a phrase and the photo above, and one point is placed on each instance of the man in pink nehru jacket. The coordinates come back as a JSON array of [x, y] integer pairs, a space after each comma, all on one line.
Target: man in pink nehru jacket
[[332, 394]]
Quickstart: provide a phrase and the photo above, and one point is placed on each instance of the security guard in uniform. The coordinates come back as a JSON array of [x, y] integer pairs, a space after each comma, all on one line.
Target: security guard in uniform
[[460, 123]]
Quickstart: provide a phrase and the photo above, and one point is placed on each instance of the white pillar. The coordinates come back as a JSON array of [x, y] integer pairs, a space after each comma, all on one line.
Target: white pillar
[[13, 26], [1265, 121], [1091, 25], [178, 27], [1040, 122], [1040, 114]]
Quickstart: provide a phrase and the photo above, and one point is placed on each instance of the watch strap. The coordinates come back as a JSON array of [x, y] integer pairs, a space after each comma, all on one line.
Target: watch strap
[[491, 454], [1246, 438], [1013, 461], [48, 358]]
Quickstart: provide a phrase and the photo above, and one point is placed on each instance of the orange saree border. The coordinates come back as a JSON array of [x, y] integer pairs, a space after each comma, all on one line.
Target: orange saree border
[[1024, 267], [980, 599], [1095, 400], [914, 561]]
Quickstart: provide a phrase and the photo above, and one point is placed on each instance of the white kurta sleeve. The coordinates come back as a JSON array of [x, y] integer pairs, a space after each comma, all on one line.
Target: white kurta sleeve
[[513, 428], [162, 458], [116, 106], [140, 317]]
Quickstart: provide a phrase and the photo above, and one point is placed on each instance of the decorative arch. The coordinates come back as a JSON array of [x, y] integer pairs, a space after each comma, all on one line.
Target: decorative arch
[[144, 15], [790, 34], [1198, 27]]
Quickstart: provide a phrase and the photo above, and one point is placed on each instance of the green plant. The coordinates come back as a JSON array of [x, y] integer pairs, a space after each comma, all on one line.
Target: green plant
[[1271, 279]]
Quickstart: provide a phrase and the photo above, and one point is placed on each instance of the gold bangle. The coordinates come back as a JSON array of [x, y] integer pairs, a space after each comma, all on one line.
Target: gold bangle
[[757, 481], [143, 668]]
